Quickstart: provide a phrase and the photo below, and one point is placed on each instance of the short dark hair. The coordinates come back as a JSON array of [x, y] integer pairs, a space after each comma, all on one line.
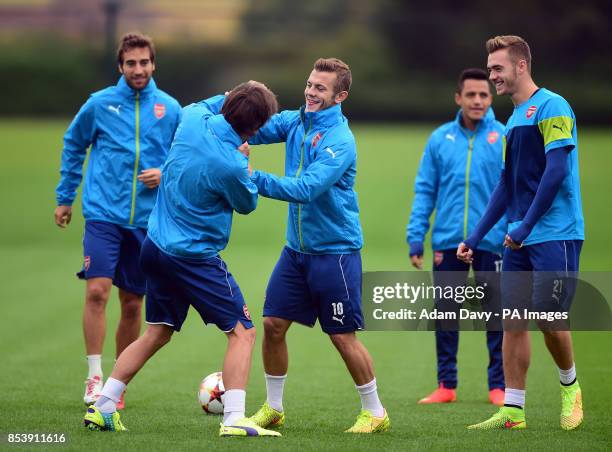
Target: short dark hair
[[340, 68], [248, 107], [471, 74], [130, 41]]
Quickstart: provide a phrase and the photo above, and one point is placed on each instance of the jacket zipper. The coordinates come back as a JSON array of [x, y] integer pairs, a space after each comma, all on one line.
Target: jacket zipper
[[299, 206], [135, 180], [467, 184]]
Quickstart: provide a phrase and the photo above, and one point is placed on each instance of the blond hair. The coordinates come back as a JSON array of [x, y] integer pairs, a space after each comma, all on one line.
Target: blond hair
[[518, 49]]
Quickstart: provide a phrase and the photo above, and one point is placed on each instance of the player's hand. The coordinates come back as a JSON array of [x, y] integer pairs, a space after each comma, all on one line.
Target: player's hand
[[509, 243], [417, 261], [465, 254], [150, 177], [63, 215], [245, 149]]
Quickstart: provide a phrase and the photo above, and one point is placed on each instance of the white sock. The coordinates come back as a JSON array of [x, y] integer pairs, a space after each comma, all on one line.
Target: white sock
[[369, 399], [233, 405], [110, 395], [95, 365], [274, 386], [568, 376], [515, 397]]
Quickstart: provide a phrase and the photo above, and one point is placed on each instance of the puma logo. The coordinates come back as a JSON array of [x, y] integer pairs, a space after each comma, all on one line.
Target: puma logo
[[332, 153], [557, 127], [115, 109], [341, 319]]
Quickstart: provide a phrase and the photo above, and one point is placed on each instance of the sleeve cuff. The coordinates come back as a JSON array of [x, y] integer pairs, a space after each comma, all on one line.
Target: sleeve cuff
[[416, 249]]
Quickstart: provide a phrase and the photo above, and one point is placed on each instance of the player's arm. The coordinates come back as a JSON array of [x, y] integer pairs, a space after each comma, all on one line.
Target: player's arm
[[425, 195], [327, 168], [493, 213], [276, 129], [555, 172], [212, 105], [77, 140], [240, 191]]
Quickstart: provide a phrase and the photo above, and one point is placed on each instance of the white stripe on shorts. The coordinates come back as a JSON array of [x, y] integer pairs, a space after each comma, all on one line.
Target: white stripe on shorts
[[224, 267], [343, 279], [565, 249]]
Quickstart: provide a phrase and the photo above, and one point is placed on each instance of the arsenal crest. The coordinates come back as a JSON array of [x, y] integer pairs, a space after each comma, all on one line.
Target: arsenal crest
[[159, 110], [86, 263], [316, 139], [246, 312], [531, 110], [492, 137]]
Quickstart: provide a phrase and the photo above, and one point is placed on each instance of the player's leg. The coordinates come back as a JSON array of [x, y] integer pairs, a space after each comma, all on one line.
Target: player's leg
[[213, 292], [128, 329], [103, 414], [554, 288], [447, 271], [165, 314], [335, 285], [275, 357], [236, 368], [516, 347], [274, 348], [101, 243], [487, 272], [373, 417], [287, 299], [97, 293], [131, 281]]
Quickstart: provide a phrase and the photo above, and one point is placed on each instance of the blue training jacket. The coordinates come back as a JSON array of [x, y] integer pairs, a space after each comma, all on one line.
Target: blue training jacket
[[128, 131], [320, 168], [458, 172], [205, 179]]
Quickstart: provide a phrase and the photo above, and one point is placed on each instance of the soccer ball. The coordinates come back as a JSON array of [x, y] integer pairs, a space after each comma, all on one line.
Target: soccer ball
[[211, 393]]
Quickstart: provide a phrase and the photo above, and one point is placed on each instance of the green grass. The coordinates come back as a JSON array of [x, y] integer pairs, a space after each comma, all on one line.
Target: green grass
[[42, 350]]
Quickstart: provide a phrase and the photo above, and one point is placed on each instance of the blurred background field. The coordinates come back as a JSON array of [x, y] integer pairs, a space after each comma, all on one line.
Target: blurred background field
[[405, 57]]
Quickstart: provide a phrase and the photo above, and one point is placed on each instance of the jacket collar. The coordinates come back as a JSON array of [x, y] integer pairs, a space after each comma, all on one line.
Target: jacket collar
[[127, 91], [488, 118], [224, 131], [322, 118]]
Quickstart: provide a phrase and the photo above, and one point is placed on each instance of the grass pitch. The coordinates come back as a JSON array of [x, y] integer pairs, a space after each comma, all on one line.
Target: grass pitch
[[42, 346]]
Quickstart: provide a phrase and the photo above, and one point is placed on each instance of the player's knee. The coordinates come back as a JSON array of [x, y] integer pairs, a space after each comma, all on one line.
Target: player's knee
[[97, 295], [343, 342], [248, 335], [158, 335], [131, 306], [551, 331], [274, 329]]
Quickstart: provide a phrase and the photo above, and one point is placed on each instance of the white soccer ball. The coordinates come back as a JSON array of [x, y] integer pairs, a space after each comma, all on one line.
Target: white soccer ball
[[211, 394]]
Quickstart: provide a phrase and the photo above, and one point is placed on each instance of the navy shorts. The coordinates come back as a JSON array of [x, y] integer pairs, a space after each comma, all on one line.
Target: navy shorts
[[110, 251], [541, 277], [175, 283], [304, 287]]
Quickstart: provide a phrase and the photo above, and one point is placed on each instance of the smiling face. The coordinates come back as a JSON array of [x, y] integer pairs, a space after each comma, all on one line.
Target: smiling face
[[504, 73], [137, 67], [474, 99], [320, 91]]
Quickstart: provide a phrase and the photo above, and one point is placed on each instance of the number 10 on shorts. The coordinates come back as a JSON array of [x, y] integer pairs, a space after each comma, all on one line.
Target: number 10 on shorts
[[338, 308]]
